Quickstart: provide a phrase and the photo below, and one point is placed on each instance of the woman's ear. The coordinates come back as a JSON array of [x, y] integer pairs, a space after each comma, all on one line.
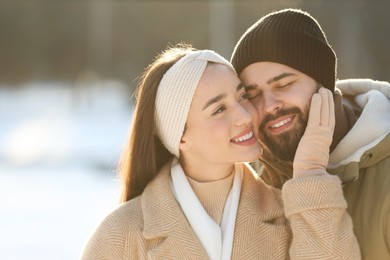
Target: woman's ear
[[184, 143]]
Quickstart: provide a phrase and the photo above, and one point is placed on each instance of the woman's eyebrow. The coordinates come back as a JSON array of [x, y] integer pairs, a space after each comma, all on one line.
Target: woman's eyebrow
[[213, 100], [219, 97]]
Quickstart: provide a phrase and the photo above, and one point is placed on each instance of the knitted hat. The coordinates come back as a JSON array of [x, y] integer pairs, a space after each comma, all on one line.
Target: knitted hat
[[175, 93], [290, 37]]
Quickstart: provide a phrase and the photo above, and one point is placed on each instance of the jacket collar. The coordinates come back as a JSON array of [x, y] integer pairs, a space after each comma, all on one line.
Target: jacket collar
[[350, 172], [369, 130]]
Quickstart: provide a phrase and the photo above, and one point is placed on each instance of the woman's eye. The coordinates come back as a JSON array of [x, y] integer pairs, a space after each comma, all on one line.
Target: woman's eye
[[245, 96], [219, 110]]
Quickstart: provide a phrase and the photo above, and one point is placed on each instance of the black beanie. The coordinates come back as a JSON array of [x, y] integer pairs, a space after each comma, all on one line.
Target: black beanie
[[290, 37]]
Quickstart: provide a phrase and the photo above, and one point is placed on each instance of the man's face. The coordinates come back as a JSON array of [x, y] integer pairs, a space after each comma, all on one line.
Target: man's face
[[282, 97]]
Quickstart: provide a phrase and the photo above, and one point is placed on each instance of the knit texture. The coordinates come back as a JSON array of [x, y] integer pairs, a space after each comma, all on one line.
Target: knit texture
[[175, 93], [290, 37], [212, 195]]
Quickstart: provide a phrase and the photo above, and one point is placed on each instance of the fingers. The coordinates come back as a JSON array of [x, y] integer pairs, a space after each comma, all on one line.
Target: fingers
[[327, 108], [322, 109], [332, 116], [312, 154], [324, 116], [315, 110]]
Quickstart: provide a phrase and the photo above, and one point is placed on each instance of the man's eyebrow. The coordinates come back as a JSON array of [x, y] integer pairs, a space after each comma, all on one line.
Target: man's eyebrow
[[250, 87], [279, 77], [213, 100]]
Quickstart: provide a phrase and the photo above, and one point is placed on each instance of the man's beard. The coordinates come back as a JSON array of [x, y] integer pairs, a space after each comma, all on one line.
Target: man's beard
[[284, 146]]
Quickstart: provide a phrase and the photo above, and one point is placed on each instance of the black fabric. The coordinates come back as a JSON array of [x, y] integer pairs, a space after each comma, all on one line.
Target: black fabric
[[290, 37]]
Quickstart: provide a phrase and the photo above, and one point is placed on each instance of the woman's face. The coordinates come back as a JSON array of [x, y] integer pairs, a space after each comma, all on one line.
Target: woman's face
[[220, 125]]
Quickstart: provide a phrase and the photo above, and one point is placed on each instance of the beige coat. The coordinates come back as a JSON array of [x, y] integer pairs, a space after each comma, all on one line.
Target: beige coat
[[153, 226]]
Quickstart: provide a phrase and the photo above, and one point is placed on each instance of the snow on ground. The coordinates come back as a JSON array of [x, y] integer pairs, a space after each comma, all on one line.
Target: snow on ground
[[59, 146]]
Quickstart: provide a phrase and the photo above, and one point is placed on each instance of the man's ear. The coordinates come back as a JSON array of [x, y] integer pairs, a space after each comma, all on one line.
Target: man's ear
[[184, 144]]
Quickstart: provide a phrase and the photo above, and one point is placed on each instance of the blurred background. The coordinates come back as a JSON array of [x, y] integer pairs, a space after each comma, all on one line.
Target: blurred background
[[68, 70]]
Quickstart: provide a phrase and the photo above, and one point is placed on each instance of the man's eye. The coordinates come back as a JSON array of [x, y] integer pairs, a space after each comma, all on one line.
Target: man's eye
[[286, 84]]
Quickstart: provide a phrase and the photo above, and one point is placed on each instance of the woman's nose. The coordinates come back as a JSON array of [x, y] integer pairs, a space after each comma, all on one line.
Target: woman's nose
[[243, 116]]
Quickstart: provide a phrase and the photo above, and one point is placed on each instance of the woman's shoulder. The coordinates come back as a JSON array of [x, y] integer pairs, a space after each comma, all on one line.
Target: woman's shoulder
[[121, 231], [130, 213], [123, 220], [111, 237]]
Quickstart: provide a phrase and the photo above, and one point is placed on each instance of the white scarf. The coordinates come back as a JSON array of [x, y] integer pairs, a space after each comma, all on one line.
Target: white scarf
[[216, 240]]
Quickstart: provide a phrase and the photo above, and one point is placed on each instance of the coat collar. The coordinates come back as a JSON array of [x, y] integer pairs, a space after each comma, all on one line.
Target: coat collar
[[164, 219]]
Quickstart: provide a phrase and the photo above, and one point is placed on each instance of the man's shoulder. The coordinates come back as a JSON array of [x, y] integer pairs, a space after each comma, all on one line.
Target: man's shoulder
[[359, 86], [374, 166], [379, 155]]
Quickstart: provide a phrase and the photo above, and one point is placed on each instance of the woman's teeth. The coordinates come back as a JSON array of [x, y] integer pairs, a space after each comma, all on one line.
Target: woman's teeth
[[244, 137]]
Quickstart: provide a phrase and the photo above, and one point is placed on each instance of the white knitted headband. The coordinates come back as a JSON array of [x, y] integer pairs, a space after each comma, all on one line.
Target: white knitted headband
[[175, 93]]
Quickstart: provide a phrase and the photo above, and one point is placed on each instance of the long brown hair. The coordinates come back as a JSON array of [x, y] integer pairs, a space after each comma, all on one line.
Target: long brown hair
[[144, 153]]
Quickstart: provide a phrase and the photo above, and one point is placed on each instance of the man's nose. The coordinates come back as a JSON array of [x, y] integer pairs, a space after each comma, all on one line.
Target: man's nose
[[271, 103]]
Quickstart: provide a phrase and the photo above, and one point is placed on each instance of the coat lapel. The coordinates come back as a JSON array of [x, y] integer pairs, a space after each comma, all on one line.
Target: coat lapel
[[260, 216], [164, 221]]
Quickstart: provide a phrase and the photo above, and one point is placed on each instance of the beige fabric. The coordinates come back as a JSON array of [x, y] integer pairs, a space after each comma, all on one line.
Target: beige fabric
[[152, 226], [213, 195]]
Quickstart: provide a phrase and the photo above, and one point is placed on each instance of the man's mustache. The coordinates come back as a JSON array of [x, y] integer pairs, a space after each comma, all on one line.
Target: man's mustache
[[279, 113]]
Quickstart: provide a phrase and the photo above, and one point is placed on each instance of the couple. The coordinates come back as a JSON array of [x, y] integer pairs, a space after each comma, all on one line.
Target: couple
[[187, 197]]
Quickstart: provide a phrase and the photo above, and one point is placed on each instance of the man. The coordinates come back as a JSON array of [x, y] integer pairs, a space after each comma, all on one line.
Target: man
[[283, 59]]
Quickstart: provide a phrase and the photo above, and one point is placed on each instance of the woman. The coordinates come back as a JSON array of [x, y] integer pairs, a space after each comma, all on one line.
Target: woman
[[186, 197]]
